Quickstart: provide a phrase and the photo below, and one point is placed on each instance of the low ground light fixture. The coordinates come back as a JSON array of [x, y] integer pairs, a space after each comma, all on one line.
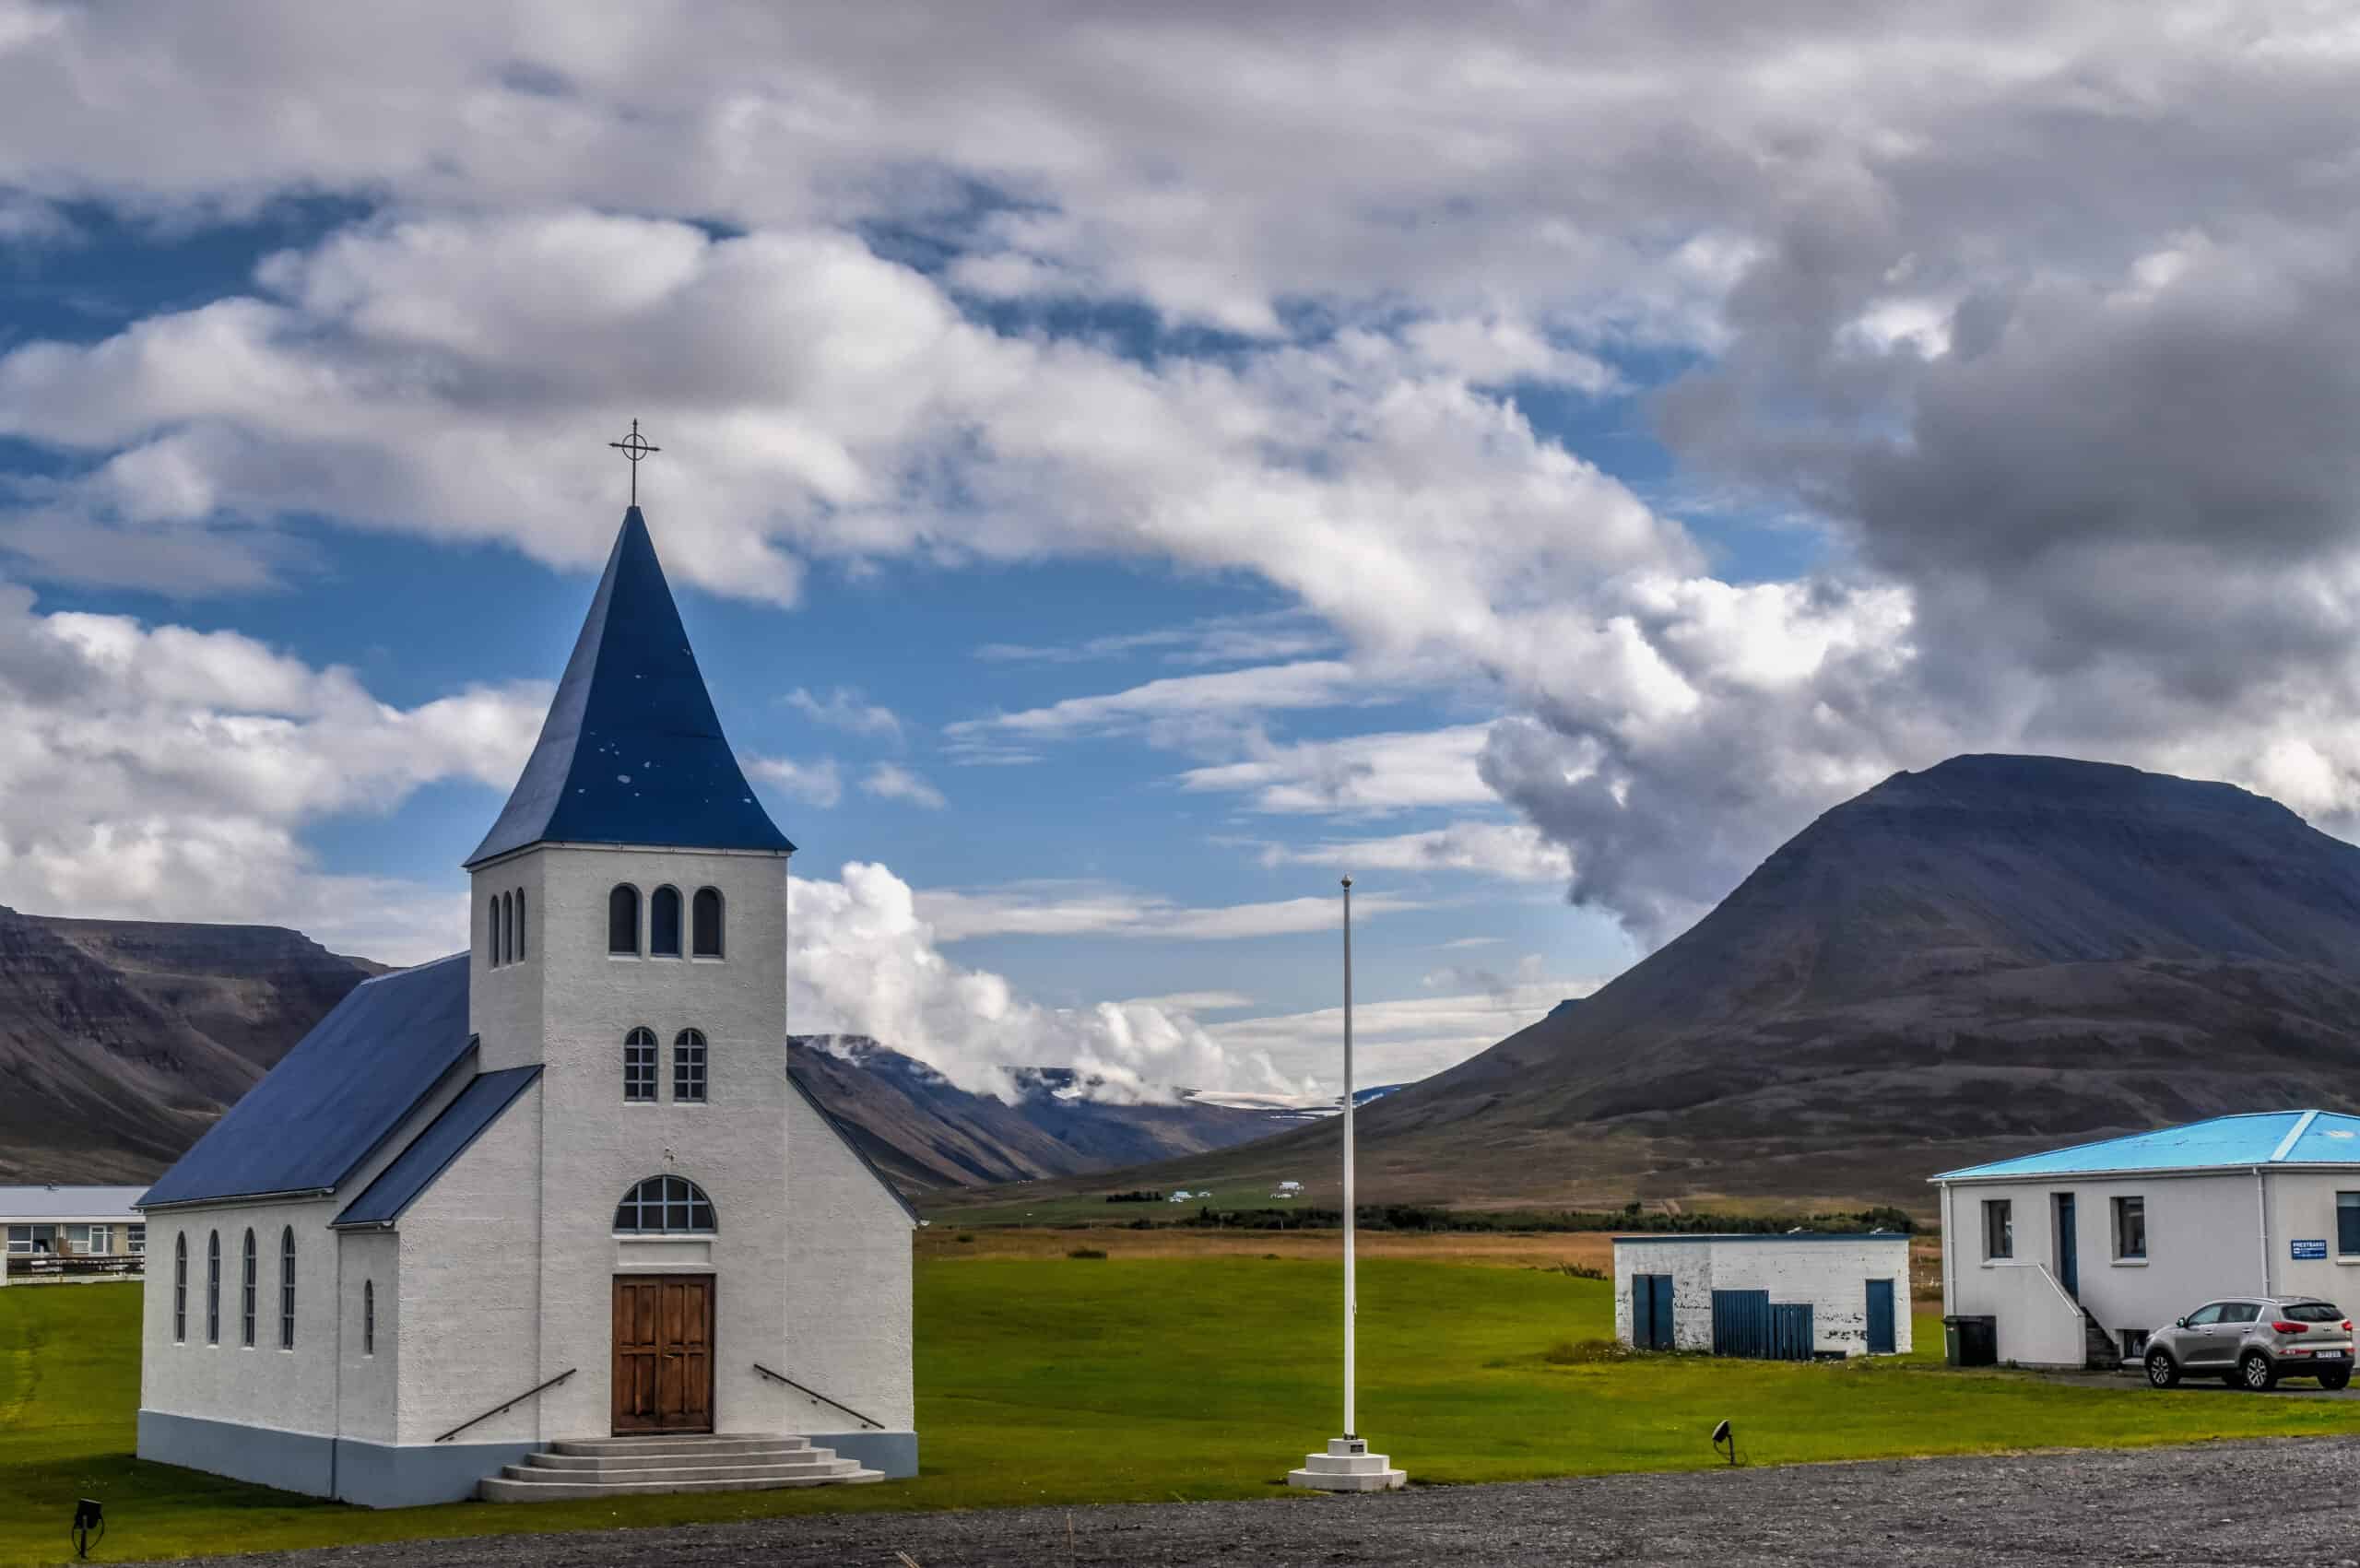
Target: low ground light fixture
[[1723, 1437]]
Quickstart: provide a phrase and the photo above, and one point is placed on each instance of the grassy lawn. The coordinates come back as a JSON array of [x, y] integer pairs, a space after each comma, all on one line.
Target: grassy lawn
[[1057, 1380]]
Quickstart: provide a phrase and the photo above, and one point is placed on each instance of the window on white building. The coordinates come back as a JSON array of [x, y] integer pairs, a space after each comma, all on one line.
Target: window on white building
[[1999, 1228], [639, 1065], [180, 1290], [707, 919], [368, 1318], [2130, 1228], [248, 1268], [287, 1288], [212, 1287], [688, 1068], [2347, 1224], [663, 923], [662, 1203], [135, 1240], [622, 919]]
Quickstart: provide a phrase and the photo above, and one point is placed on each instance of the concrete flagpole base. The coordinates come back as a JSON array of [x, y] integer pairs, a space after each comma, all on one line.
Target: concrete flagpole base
[[1347, 1466]]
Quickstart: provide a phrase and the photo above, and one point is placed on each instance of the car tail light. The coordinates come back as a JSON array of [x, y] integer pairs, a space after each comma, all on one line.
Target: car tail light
[[2347, 1325], [2285, 1328]]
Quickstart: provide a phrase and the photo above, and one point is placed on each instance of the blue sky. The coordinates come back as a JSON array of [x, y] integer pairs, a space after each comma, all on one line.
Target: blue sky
[[1121, 473]]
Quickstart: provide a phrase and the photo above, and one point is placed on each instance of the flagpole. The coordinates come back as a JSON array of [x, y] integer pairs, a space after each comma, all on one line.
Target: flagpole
[[1347, 1466], [1351, 1304]]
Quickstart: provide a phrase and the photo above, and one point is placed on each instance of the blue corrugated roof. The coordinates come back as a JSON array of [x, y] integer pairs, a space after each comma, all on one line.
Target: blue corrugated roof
[[431, 1152], [2262, 1138], [632, 751], [339, 1095]]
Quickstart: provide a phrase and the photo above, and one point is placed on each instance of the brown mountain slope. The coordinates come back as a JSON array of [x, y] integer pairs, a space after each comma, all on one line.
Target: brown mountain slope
[[120, 1041], [1997, 955]]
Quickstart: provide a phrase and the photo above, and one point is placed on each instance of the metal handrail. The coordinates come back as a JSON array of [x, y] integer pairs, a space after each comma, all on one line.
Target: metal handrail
[[512, 1404], [822, 1397]]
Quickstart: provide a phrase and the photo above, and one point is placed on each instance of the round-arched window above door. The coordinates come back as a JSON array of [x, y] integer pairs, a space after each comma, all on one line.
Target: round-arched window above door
[[665, 1206]]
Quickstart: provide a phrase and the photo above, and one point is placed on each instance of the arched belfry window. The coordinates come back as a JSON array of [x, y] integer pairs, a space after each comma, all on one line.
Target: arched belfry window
[[708, 923], [491, 931], [622, 919], [180, 1289], [508, 928], [668, 1205], [639, 1065], [520, 923], [663, 923]]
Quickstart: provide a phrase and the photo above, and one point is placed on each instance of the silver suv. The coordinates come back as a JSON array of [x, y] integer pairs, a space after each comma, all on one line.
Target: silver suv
[[2255, 1341]]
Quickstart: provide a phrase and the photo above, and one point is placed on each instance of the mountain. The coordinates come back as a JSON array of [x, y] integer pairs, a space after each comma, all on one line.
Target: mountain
[[913, 1122], [1996, 955], [121, 1040]]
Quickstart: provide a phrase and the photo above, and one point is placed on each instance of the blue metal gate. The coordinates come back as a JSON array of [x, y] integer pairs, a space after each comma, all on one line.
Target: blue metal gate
[[1881, 1341], [1790, 1331], [1749, 1324], [1741, 1324]]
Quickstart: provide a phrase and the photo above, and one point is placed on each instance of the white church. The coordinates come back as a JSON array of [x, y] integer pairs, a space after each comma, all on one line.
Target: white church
[[550, 1217]]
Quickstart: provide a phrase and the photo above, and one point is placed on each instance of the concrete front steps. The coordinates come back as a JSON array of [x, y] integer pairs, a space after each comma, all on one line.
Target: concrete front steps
[[624, 1466]]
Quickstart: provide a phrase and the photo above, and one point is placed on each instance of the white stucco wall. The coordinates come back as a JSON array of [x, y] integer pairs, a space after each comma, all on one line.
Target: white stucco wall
[[293, 1390], [1831, 1273], [370, 1377], [847, 1286], [468, 1288], [2203, 1241]]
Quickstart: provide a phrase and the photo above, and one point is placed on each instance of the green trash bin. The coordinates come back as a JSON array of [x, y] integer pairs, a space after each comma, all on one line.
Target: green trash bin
[[1970, 1340]]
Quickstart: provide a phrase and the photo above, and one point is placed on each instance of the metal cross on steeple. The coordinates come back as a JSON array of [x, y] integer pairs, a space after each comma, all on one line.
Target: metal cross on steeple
[[634, 447]]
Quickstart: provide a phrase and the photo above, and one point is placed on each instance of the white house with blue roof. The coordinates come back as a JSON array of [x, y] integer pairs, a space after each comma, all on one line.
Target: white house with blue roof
[[2079, 1253], [550, 1217]]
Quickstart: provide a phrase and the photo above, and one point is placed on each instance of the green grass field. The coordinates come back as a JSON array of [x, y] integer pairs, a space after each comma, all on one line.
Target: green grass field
[[1079, 1381]]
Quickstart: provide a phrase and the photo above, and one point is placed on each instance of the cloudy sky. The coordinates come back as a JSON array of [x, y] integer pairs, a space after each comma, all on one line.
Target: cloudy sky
[[1124, 466]]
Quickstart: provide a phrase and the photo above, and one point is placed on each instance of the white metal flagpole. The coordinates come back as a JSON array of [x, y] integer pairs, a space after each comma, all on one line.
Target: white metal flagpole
[[1347, 1466], [1351, 1301]]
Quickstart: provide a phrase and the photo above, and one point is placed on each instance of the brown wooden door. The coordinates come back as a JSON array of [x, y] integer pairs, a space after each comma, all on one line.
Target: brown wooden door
[[663, 1353]]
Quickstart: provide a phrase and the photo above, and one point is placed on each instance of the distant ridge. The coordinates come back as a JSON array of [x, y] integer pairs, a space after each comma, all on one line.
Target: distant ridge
[[1995, 955]]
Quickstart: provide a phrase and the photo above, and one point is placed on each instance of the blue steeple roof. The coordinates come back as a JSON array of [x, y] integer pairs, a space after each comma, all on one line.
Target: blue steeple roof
[[632, 751]]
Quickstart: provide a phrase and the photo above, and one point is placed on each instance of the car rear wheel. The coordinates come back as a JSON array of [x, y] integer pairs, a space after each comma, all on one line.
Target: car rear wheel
[[2331, 1381], [2162, 1370], [2256, 1374]]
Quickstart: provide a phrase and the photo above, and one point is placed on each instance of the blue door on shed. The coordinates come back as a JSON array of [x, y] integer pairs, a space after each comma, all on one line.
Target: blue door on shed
[[1651, 1311], [1880, 1317]]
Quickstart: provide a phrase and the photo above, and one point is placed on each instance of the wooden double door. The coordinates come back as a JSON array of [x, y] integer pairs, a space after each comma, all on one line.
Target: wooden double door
[[663, 1353]]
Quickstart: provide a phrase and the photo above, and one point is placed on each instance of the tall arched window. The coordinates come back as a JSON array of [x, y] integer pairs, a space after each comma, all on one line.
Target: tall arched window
[[287, 1288], [708, 923], [492, 932], [247, 1267], [622, 919], [639, 1065], [673, 1205], [663, 923], [180, 1289], [520, 923], [368, 1318], [508, 928], [688, 1068], [212, 1287]]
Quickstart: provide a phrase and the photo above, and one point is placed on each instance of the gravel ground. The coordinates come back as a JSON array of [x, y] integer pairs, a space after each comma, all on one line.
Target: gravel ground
[[2248, 1504]]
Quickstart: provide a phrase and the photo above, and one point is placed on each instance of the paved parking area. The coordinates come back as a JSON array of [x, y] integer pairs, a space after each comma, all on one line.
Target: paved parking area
[[2217, 1506]]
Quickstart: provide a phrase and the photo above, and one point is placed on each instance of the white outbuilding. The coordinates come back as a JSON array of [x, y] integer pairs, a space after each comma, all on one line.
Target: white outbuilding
[[2072, 1256], [1781, 1297], [501, 1210]]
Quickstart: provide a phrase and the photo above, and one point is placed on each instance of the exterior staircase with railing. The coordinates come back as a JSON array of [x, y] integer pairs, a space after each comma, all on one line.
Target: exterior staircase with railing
[[623, 1466], [2101, 1352]]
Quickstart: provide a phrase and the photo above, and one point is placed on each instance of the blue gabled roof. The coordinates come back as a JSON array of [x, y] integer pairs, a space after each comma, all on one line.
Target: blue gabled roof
[[431, 1152], [632, 751], [2262, 1138], [336, 1097]]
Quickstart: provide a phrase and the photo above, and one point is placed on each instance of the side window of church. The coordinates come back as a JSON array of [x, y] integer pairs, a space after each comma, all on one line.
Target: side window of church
[[687, 1067], [368, 1318], [622, 919], [707, 920], [246, 1295], [639, 1065], [180, 1290], [287, 1288], [663, 924], [212, 1287]]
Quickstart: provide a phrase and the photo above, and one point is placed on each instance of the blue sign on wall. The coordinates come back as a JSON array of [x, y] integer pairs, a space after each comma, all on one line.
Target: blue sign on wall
[[2308, 1249]]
